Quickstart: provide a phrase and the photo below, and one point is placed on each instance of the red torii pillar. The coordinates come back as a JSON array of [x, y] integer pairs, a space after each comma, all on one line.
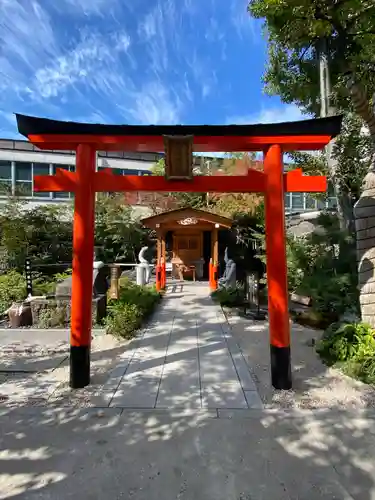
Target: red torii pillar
[[277, 273], [83, 263]]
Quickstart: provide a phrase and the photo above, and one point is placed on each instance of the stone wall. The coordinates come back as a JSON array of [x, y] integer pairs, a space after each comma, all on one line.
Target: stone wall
[[55, 313]]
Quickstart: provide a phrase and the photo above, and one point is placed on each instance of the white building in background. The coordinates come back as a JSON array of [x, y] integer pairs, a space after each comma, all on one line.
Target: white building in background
[[20, 161]]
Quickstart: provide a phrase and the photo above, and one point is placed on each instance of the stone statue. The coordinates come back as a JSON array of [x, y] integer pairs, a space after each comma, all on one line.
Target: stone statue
[[144, 263], [228, 280]]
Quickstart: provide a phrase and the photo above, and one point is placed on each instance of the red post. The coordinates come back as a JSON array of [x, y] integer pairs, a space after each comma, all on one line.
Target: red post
[[210, 274], [214, 276], [83, 256], [163, 275], [278, 310], [158, 277]]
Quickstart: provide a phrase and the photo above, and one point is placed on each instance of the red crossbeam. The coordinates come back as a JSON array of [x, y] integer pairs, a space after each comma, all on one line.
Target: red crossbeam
[[254, 182], [201, 143]]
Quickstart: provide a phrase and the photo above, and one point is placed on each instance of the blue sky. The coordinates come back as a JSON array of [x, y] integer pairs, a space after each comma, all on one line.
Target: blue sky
[[133, 61]]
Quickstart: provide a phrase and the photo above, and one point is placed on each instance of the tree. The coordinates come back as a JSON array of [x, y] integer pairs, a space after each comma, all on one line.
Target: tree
[[225, 204], [298, 31], [180, 200], [232, 204], [118, 236], [44, 233]]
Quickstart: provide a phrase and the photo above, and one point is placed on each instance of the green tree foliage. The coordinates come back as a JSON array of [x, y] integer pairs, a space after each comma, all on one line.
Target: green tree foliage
[[319, 269], [225, 204], [118, 235], [181, 200], [45, 233], [297, 32]]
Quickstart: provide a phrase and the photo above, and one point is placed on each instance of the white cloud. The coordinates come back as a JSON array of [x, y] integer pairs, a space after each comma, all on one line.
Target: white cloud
[[90, 61], [286, 113], [155, 104], [148, 27], [26, 38], [87, 7], [243, 23]]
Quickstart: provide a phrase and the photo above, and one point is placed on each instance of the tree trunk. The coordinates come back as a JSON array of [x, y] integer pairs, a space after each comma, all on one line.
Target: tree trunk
[[344, 203], [364, 212]]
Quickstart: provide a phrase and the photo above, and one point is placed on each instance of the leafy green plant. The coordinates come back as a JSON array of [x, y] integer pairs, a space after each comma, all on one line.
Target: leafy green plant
[[12, 289], [46, 285], [123, 320], [322, 266], [229, 297], [134, 305], [53, 317], [351, 341]]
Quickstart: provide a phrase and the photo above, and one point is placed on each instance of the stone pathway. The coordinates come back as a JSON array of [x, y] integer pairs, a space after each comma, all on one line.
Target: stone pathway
[[186, 358]]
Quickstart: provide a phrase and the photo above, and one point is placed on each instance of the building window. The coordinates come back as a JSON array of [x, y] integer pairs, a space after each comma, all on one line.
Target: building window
[[297, 202], [331, 202], [62, 194], [40, 169], [24, 179], [5, 177], [310, 202]]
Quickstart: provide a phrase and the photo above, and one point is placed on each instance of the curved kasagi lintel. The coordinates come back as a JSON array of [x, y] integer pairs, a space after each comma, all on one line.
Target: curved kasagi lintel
[[201, 144], [46, 130]]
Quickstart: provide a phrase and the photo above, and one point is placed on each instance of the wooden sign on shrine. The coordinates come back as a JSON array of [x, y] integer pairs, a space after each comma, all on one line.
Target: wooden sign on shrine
[[179, 142]]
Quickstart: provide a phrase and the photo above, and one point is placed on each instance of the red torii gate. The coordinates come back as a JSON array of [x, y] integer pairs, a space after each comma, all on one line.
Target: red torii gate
[[87, 139]]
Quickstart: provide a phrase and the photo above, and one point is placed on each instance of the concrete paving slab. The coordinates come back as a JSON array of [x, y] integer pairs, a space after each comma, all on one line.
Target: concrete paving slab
[[183, 360], [180, 384], [148, 455], [138, 388], [242, 369], [253, 399]]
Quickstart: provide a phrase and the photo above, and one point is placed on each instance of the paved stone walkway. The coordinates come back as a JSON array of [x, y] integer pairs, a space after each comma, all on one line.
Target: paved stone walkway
[[186, 359]]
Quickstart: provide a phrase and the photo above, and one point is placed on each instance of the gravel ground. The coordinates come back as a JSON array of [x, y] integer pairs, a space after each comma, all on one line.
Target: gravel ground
[[314, 384], [49, 385]]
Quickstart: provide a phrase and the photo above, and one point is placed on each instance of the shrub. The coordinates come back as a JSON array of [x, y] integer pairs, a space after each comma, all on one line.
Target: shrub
[[323, 266], [349, 342], [45, 285], [12, 289], [134, 305], [54, 317], [144, 297], [229, 297], [123, 320]]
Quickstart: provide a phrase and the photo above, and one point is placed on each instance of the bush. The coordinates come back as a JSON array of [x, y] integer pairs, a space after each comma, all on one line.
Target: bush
[[229, 297], [347, 342], [134, 305], [54, 317], [123, 320], [323, 267], [352, 347], [143, 297], [12, 289], [46, 285]]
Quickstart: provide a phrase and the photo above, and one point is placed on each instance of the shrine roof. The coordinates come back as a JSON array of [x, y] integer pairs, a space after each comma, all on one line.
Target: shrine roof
[[31, 125], [185, 213]]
